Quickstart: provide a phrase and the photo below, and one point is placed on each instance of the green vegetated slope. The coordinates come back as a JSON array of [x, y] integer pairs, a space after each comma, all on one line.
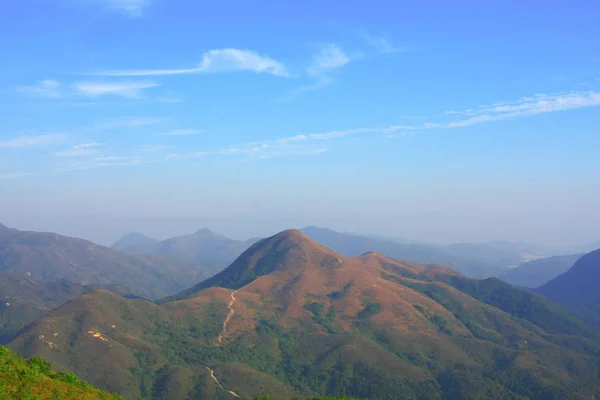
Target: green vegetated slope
[[291, 319], [47, 257], [34, 379]]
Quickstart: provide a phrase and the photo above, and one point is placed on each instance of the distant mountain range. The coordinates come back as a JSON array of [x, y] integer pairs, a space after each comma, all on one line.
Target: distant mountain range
[[291, 317], [204, 247], [533, 274], [473, 259], [578, 288], [47, 257]]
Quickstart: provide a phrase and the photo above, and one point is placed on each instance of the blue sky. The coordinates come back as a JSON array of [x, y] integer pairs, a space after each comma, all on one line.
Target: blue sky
[[447, 122]]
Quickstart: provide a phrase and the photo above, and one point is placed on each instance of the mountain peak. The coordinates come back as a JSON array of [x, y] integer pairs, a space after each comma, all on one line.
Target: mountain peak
[[289, 249], [291, 234], [132, 239], [207, 232]]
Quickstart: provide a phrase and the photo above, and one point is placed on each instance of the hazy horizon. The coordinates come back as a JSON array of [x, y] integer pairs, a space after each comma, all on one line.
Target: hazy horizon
[[405, 120], [107, 230]]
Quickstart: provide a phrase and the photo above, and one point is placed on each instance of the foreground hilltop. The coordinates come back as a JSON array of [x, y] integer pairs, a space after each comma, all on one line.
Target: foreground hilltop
[[291, 317]]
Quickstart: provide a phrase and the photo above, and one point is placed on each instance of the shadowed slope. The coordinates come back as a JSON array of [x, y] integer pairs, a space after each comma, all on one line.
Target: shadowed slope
[[535, 273], [578, 287]]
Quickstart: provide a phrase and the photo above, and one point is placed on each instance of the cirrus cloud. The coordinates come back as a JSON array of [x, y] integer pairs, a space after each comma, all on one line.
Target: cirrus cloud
[[217, 60]]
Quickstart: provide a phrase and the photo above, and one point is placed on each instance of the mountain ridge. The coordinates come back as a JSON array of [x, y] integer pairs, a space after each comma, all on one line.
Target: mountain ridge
[[47, 257], [298, 317]]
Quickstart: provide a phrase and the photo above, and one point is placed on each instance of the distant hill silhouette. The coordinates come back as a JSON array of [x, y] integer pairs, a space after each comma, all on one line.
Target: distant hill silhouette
[[204, 247], [132, 241], [47, 257], [533, 274], [578, 287], [291, 318]]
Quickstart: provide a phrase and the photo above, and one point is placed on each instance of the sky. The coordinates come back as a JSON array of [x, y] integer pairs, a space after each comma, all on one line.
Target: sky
[[430, 120]]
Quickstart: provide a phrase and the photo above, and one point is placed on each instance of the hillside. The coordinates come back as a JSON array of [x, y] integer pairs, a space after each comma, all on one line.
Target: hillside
[[34, 379], [204, 247], [23, 300], [47, 257], [578, 287], [474, 260], [291, 317], [535, 273]]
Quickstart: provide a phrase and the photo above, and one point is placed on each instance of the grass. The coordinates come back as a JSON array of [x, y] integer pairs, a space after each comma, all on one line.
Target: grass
[[34, 380]]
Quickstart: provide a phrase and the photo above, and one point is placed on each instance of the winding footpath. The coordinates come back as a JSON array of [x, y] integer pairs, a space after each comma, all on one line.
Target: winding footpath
[[214, 378], [229, 315], [220, 339]]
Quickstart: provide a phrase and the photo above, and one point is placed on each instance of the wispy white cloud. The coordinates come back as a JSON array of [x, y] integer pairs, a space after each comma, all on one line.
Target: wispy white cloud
[[104, 161], [316, 143], [13, 175], [526, 106], [123, 89], [46, 88], [180, 132], [22, 142], [321, 69], [329, 57], [382, 45], [399, 135], [50, 89], [218, 60], [126, 122], [132, 8], [88, 145], [80, 150], [151, 148]]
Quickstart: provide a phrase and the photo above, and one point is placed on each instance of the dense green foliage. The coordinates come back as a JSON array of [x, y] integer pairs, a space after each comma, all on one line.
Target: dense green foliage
[[34, 380]]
